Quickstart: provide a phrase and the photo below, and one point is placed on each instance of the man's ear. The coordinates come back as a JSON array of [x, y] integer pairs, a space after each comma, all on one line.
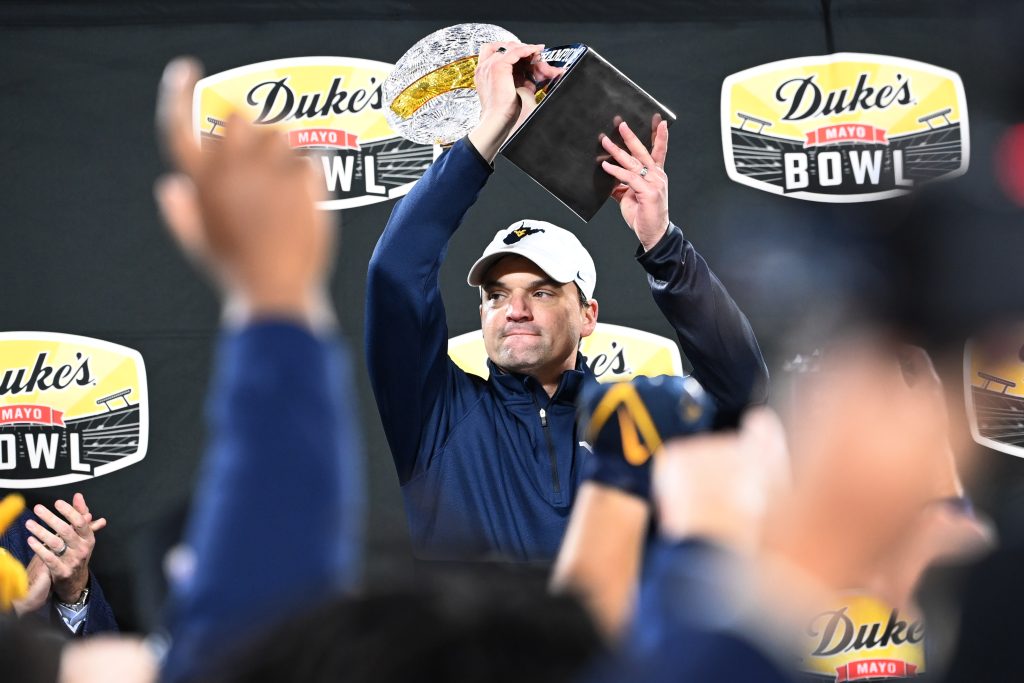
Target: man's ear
[[589, 318]]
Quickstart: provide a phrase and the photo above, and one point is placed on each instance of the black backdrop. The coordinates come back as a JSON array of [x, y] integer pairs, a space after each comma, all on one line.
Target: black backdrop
[[83, 252]]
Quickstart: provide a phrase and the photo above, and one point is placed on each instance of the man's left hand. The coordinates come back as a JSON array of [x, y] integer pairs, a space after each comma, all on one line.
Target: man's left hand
[[642, 194], [66, 547]]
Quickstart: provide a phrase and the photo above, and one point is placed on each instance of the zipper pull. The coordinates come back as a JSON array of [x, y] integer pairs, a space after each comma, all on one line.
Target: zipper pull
[[543, 418]]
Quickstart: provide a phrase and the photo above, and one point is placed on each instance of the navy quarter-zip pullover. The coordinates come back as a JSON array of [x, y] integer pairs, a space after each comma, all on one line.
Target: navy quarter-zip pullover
[[489, 468]]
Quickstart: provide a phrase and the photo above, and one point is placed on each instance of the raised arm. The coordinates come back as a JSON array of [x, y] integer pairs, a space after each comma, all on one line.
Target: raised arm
[[275, 527], [712, 330], [626, 423], [713, 333], [275, 523], [406, 329], [697, 607]]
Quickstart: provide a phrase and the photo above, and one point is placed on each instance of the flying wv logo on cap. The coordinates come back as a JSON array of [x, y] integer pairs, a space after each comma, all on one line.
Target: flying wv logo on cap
[[520, 232]]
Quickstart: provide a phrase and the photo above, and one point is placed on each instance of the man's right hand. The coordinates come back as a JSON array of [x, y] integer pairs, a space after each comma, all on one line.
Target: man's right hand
[[505, 84], [39, 584]]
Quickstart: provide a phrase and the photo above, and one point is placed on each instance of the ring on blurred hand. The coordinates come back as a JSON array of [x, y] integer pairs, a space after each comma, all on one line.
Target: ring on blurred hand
[[63, 550], [502, 49], [643, 172]]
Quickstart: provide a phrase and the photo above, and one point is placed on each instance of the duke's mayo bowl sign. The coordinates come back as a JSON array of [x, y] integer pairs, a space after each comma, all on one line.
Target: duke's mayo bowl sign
[[844, 127], [332, 110], [71, 408]]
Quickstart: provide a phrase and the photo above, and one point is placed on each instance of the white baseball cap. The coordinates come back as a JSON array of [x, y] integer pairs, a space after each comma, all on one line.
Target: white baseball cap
[[555, 250]]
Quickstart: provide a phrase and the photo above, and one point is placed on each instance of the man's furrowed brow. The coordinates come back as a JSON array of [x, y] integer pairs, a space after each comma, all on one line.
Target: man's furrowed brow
[[540, 282], [545, 282]]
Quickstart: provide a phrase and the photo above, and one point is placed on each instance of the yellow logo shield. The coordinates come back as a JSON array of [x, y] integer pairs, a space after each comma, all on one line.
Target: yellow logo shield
[[332, 110], [71, 408], [844, 127], [864, 639]]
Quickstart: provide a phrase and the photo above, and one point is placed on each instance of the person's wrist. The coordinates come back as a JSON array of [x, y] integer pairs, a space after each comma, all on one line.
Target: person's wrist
[[499, 120], [651, 241], [279, 305], [71, 593], [490, 133], [23, 607], [679, 521], [309, 307]]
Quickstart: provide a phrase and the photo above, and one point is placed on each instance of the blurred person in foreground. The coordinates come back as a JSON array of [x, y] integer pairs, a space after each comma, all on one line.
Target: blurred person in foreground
[[751, 545], [490, 469], [878, 492], [276, 521], [476, 623], [275, 526], [667, 602]]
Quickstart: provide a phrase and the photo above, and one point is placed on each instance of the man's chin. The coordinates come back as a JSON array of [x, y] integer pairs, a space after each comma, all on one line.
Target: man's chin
[[518, 367], [517, 362]]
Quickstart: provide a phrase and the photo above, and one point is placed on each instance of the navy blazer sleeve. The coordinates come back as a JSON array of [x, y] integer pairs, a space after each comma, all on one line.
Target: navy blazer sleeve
[[276, 519], [100, 618], [417, 387], [713, 332]]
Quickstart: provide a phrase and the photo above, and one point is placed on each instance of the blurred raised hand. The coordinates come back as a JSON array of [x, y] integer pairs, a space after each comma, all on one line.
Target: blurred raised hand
[[718, 486], [244, 209]]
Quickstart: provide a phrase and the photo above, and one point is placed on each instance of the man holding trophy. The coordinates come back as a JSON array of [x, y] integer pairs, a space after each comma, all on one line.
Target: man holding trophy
[[490, 469]]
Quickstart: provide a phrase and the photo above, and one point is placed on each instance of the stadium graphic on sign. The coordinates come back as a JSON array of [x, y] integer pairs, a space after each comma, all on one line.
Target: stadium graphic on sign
[[994, 392], [615, 353], [863, 639], [332, 110], [845, 127], [71, 408]]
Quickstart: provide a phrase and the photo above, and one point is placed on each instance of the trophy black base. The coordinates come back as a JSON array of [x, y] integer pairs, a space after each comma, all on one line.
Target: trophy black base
[[559, 144]]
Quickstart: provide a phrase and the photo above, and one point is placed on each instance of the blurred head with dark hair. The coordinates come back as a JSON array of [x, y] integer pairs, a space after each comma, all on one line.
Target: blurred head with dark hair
[[877, 495], [466, 627], [28, 653]]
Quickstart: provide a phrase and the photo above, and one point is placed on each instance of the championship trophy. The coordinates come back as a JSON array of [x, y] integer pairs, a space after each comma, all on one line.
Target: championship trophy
[[429, 94], [431, 99]]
